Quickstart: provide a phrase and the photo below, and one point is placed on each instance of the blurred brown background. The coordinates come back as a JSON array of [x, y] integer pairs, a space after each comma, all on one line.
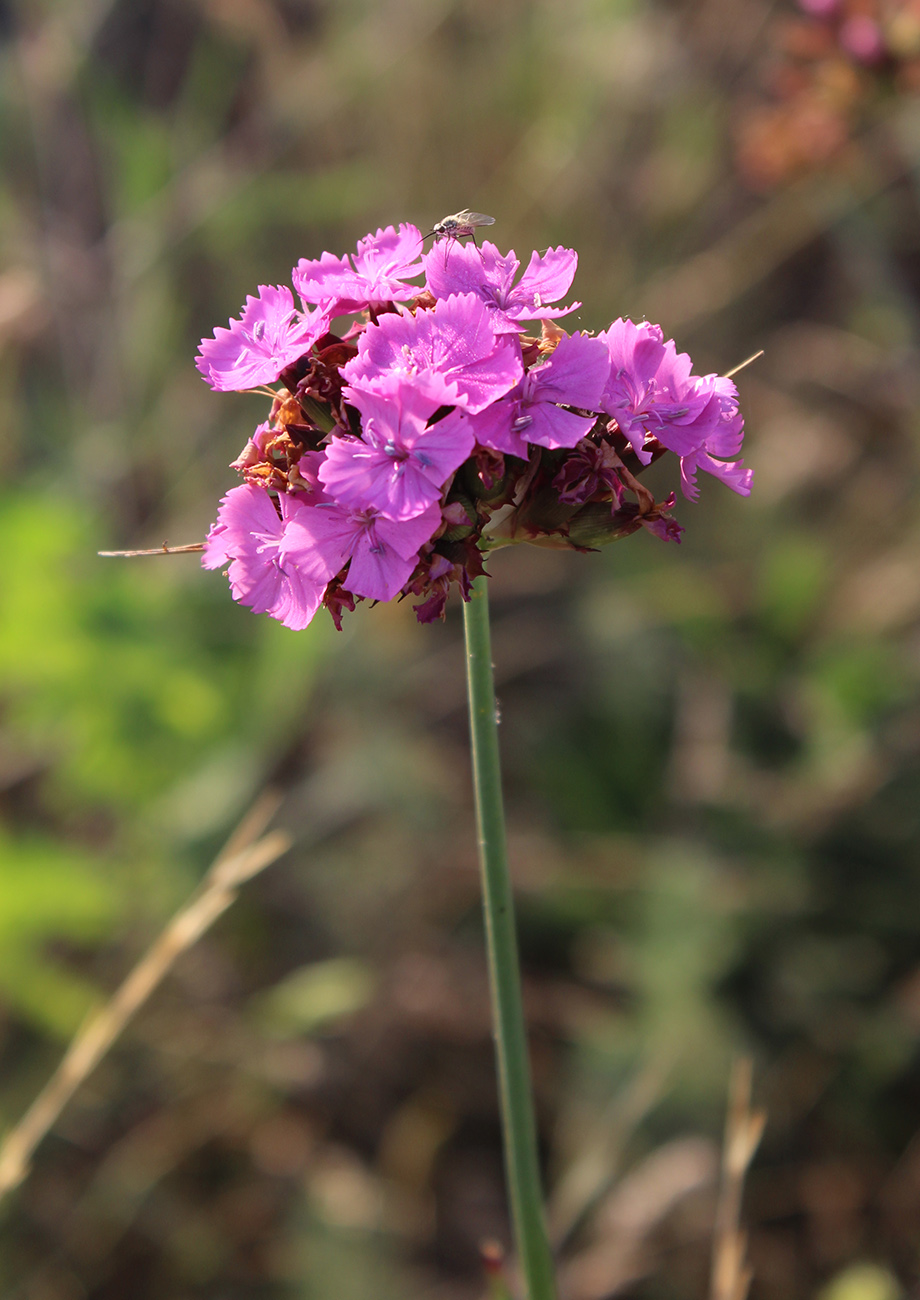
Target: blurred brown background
[[712, 751]]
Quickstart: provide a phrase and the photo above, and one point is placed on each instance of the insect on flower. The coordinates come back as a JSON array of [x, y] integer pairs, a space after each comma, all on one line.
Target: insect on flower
[[459, 225]]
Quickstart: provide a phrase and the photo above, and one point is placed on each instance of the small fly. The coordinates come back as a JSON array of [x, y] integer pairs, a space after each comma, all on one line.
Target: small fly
[[459, 225]]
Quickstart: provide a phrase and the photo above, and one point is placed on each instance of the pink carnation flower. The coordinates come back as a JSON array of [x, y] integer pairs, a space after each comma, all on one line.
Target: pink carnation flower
[[574, 375], [381, 553], [452, 349], [281, 565], [374, 274], [264, 572], [400, 464], [451, 268], [651, 389], [649, 385], [269, 334]]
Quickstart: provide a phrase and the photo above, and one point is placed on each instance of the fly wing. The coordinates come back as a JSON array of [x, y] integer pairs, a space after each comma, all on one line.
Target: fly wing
[[459, 224]]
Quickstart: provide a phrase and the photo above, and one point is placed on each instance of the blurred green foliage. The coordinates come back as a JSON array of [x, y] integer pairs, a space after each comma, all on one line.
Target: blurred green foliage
[[126, 701], [48, 891], [315, 995]]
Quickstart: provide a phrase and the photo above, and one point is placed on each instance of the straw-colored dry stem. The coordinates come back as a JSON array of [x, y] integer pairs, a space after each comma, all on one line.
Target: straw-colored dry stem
[[731, 1273], [242, 858], [165, 549]]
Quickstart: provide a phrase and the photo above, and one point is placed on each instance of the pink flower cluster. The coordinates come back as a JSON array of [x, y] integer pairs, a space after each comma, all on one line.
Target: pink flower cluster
[[434, 427]]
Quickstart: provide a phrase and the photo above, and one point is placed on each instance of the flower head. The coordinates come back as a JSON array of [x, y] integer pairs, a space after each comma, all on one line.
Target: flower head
[[435, 429]]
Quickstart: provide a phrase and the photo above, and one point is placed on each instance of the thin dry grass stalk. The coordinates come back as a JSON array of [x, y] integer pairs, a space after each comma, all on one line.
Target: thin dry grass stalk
[[731, 1273], [243, 856]]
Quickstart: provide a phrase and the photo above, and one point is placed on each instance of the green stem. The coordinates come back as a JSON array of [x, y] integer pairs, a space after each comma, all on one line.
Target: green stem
[[518, 1125]]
